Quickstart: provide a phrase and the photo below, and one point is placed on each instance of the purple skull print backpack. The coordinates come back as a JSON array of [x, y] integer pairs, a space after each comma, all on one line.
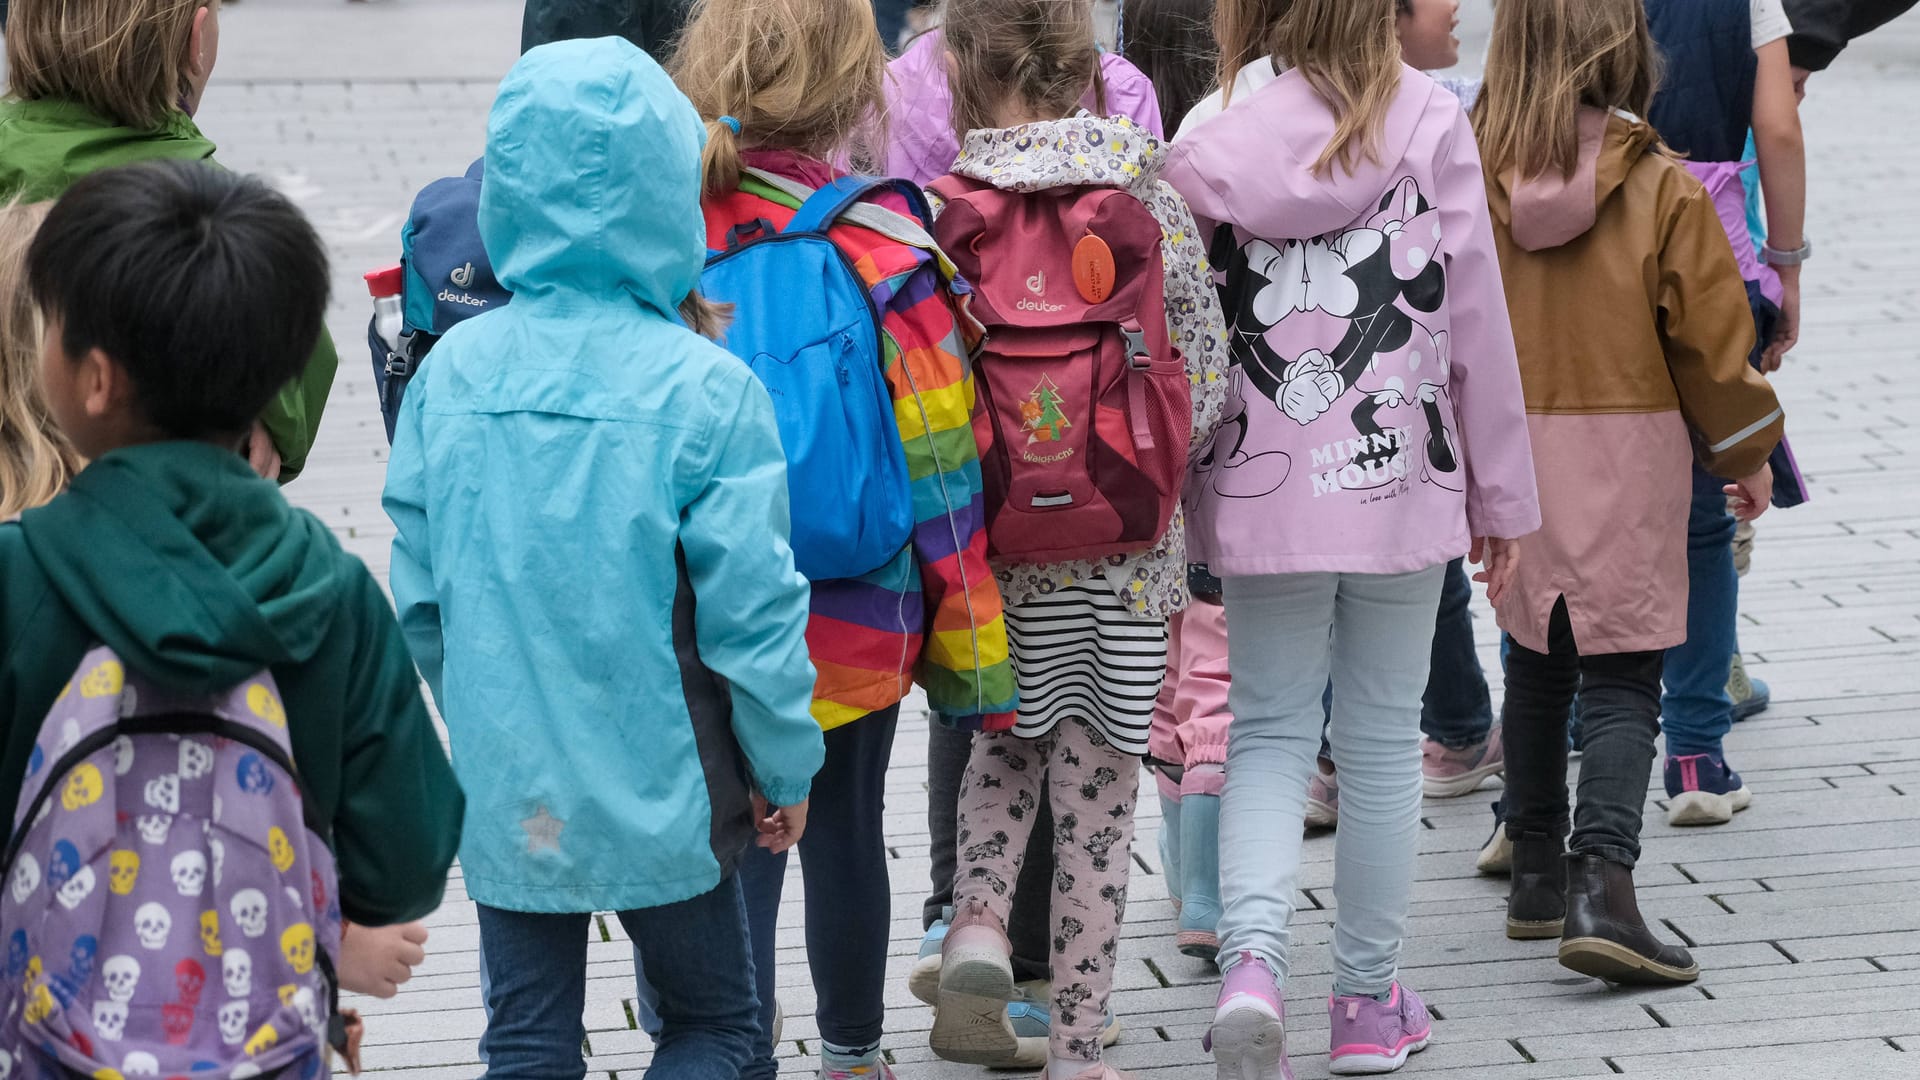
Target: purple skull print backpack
[[169, 905]]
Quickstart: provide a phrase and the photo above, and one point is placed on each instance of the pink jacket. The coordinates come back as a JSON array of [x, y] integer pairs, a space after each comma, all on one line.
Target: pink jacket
[[1191, 719], [921, 143], [1374, 418]]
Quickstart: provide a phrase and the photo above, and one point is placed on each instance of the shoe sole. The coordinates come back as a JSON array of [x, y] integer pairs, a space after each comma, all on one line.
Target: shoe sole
[[1372, 1064], [1453, 787], [1615, 963], [1750, 708], [1692, 808], [1250, 1045], [1534, 929], [1199, 944], [970, 1022], [1321, 815]]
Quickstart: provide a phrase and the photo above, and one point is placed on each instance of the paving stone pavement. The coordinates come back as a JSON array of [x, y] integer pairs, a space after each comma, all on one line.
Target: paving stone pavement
[[1801, 911]]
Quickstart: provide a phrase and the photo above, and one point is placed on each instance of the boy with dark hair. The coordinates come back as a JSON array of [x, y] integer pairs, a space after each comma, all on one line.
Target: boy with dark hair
[[178, 300]]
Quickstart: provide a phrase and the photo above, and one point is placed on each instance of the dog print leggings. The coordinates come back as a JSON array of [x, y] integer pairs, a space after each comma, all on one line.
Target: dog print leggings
[[1092, 787]]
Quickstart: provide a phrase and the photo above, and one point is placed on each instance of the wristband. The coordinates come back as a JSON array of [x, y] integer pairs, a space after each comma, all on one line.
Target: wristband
[[1776, 257]]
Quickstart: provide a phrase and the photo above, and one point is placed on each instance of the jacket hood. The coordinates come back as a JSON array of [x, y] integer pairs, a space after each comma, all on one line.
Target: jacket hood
[[1549, 211], [1083, 149], [193, 569], [46, 145], [593, 177], [1275, 193]]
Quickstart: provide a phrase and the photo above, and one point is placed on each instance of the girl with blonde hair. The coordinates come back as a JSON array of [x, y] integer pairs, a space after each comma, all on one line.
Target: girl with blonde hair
[[1633, 329], [789, 88], [36, 461], [1374, 432], [96, 83]]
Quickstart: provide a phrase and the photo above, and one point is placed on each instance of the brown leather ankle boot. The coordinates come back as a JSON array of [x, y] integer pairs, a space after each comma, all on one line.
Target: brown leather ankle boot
[[1604, 935], [1537, 896]]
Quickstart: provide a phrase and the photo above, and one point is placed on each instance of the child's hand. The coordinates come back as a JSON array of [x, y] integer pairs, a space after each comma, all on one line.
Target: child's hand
[[375, 960], [780, 826], [1786, 328], [1748, 497], [1501, 558]]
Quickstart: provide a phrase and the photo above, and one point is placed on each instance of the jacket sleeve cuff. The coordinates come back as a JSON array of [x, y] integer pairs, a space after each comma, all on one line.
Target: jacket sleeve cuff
[[1810, 53], [786, 793], [1508, 526]]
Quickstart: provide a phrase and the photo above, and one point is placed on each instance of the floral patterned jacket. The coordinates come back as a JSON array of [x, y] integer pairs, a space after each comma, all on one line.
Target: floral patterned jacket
[[1088, 150]]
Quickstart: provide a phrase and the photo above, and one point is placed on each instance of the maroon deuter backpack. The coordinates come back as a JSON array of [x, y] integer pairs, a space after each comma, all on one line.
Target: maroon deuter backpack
[[1084, 411]]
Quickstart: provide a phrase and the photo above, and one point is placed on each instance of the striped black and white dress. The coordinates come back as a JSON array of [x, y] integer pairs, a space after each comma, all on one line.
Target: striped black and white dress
[[1080, 654]]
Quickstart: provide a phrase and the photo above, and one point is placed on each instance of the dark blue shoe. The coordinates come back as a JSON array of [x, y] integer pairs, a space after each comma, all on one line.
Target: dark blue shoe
[[1702, 790]]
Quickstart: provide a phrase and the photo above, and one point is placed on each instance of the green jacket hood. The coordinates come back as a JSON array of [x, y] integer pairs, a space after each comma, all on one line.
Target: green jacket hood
[[593, 177], [193, 569], [46, 145]]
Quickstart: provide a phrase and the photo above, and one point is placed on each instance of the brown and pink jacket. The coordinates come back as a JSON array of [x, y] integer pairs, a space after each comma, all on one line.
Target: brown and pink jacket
[[1633, 330]]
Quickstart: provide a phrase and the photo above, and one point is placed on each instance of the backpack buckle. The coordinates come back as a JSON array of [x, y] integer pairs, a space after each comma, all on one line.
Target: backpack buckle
[[400, 363], [1139, 357]]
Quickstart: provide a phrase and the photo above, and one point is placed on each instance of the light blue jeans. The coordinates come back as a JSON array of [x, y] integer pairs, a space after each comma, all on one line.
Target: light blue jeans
[[1287, 634]]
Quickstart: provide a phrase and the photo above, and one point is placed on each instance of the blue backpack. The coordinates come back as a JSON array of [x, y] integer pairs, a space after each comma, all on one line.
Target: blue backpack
[[808, 327], [446, 279]]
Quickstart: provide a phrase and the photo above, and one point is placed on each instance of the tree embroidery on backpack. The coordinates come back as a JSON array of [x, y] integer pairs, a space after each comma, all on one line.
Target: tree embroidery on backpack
[[1040, 414]]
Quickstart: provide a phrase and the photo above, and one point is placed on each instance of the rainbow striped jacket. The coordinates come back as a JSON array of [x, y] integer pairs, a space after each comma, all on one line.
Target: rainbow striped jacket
[[933, 614]]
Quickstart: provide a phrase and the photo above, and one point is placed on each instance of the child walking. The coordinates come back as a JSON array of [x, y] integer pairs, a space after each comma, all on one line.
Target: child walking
[[1726, 100], [787, 87], [176, 298], [91, 85], [1633, 332], [1089, 638], [612, 598], [1373, 433]]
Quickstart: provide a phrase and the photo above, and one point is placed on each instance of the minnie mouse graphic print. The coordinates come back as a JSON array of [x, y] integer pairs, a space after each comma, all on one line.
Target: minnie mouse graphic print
[[1374, 394]]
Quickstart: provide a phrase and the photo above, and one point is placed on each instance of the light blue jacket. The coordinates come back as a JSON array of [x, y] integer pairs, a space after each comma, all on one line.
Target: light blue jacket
[[592, 566]]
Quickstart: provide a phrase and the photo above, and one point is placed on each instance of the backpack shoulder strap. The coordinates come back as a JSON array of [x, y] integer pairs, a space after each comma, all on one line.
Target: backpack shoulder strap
[[825, 206], [912, 231]]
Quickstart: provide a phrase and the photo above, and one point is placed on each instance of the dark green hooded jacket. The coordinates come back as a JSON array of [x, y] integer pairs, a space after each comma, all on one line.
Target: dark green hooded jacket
[[46, 145], [199, 574]]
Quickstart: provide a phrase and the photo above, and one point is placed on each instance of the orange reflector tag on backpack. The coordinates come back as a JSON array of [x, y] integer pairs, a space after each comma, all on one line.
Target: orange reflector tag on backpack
[[1093, 268]]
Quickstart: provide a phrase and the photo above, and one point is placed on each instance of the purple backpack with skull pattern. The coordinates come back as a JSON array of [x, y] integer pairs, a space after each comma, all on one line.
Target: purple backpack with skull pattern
[[170, 906]]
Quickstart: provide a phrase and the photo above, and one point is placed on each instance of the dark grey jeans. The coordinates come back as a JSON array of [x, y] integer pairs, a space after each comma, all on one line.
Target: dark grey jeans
[[947, 752], [1619, 715]]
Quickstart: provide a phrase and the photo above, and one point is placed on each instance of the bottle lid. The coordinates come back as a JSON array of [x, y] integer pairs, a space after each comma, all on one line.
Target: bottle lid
[[385, 282]]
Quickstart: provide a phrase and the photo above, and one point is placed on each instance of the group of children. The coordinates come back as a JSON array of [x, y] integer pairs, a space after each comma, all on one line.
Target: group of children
[[1203, 504]]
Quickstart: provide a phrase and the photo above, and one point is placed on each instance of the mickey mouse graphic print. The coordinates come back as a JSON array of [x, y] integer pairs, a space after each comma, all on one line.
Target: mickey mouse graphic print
[[1374, 421]]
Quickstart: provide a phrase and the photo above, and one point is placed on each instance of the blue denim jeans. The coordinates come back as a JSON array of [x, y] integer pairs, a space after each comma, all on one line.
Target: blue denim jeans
[[1695, 710], [699, 965], [892, 17]]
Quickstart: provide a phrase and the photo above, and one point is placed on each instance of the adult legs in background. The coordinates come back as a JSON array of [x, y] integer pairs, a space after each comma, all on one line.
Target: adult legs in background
[[843, 862], [1456, 710]]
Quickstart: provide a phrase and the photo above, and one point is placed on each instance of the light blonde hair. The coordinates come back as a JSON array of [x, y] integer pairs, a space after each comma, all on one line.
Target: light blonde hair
[[1040, 53], [36, 461], [1347, 50], [1546, 60], [801, 75], [123, 59]]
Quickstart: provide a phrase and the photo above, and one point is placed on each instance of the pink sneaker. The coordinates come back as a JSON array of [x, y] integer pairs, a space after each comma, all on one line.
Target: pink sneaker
[[1449, 774], [1098, 1070], [1323, 800], [1376, 1036], [1248, 1039]]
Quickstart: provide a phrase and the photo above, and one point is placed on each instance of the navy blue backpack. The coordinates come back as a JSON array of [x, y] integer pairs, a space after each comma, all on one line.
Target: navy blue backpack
[[446, 279], [807, 326]]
